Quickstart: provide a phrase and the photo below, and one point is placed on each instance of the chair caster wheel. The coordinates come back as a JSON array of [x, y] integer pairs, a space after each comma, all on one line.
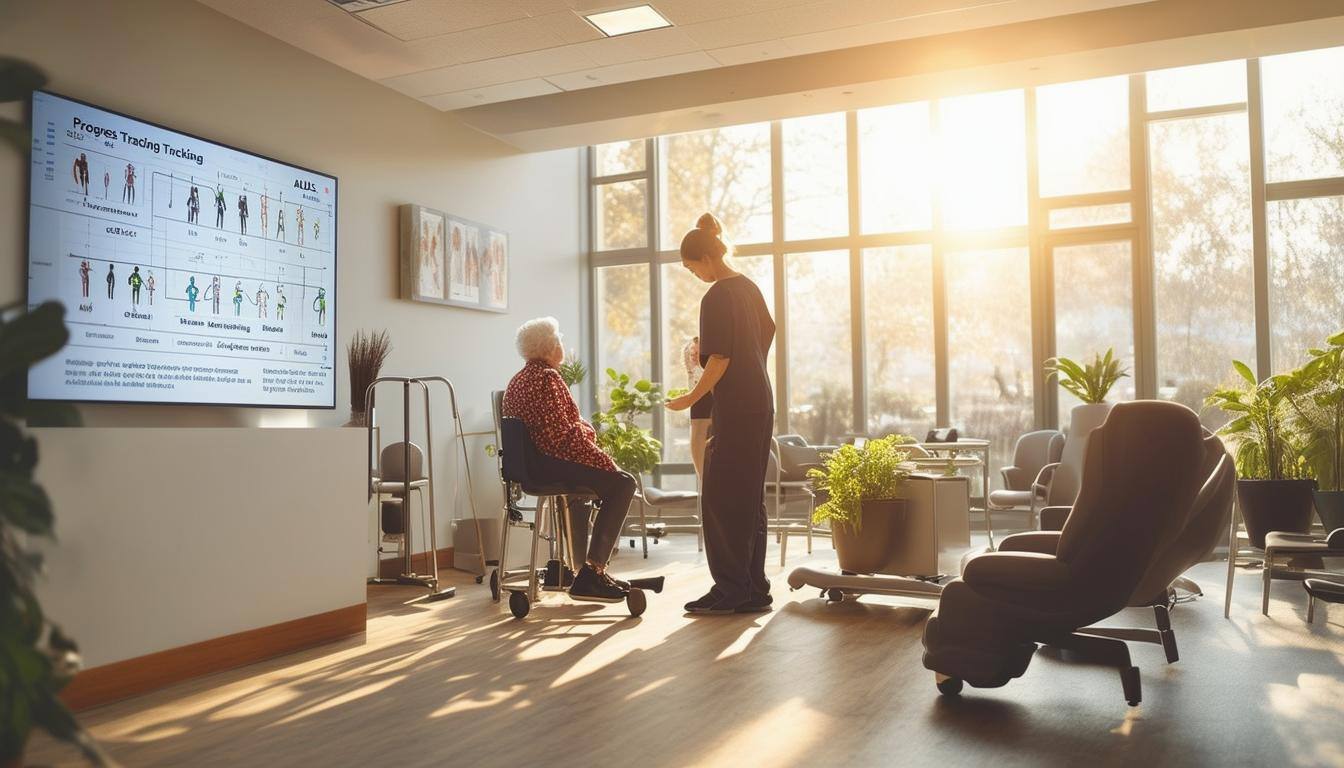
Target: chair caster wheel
[[950, 686], [835, 595], [636, 602], [519, 604], [494, 585]]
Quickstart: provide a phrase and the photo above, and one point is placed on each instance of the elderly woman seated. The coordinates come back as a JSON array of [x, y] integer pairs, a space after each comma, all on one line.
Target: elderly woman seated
[[570, 455]]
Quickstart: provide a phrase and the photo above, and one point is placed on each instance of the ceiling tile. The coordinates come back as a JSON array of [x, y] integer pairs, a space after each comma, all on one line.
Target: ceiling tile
[[458, 77], [522, 89], [267, 14], [570, 27], [554, 61], [684, 12], [490, 42], [756, 27], [637, 70], [746, 54], [639, 46], [416, 19]]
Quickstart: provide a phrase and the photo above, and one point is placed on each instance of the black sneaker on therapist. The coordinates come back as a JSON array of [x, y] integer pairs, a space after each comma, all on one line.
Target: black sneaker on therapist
[[590, 585]]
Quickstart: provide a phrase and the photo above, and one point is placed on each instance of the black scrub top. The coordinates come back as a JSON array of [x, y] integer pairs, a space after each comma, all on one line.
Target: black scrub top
[[735, 323]]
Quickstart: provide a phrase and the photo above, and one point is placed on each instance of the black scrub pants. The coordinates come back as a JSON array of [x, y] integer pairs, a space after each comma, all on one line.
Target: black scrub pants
[[732, 503], [614, 491]]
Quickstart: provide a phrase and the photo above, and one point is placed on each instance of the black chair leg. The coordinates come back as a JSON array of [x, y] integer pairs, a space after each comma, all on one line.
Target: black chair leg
[[1163, 616], [1111, 652]]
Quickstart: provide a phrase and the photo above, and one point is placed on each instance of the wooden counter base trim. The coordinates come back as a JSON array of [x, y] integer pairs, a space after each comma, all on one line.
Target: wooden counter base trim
[[390, 567], [132, 677]]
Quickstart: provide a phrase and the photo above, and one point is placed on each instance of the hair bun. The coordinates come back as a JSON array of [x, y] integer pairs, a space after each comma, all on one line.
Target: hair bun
[[708, 222]]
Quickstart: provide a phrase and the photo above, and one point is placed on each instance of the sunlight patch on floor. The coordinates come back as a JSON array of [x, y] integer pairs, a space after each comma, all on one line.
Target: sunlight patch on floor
[[767, 742], [255, 705], [1297, 707], [344, 698]]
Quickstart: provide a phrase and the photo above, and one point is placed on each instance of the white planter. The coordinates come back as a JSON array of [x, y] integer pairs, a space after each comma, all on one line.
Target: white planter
[[1082, 420]]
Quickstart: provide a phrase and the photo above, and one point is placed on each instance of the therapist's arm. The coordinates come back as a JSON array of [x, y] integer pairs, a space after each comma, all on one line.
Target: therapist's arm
[[714, 370]]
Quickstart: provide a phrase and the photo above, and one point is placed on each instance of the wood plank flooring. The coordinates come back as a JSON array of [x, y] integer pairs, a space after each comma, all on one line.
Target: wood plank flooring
[[461, 682]]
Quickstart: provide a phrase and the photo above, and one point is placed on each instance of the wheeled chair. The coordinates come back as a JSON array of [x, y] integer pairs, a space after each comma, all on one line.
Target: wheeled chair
[[518, 460]]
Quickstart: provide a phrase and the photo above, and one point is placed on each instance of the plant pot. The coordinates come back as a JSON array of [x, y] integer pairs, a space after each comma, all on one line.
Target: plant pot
[[876, 543], [1068, 477], [1275, 505], [1330, 509]]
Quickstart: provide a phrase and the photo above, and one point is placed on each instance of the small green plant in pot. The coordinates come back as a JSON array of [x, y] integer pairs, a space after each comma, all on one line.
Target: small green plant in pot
[[864, 508], [1090, 383], [632, 447], [1274, 489], [1315, 394]]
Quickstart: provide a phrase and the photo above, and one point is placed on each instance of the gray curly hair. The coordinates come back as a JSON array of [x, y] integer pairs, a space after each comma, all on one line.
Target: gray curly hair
[[537, 337]]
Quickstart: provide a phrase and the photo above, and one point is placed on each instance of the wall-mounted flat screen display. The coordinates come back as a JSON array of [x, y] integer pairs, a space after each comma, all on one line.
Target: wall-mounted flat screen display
[[191, 271]]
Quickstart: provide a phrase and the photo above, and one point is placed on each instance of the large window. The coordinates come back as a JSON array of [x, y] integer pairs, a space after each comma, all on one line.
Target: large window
[[726, 171], [982, 161], [816, 189], [622, 296], [984, 234], [821, 386], [896, 152], [1094, 310], [1203, 282], [898, 340], [989, 347]]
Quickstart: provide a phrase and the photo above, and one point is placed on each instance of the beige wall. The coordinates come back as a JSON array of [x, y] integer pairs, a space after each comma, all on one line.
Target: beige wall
[[181, 64]]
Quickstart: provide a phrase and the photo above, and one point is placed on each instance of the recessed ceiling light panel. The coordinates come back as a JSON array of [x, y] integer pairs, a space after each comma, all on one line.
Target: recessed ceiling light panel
[[625, 21]]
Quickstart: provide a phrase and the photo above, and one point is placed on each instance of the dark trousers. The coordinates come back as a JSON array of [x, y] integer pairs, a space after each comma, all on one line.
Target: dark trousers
[[732, 503], [614, 491]]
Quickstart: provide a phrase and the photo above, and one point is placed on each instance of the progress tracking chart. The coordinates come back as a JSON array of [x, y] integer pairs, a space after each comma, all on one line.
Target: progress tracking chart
[[190, 272]]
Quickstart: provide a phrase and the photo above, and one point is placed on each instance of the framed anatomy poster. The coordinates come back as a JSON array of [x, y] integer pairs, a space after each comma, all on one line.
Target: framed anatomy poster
[[454, 261]]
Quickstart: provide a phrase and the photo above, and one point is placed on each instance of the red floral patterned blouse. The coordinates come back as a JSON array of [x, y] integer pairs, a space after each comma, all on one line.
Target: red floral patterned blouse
[[539, 397]]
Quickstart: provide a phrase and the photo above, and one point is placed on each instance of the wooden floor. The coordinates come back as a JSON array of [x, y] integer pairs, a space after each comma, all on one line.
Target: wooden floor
[[461, 682]]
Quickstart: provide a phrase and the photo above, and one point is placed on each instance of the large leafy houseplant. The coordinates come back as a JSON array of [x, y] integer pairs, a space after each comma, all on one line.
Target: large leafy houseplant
[[1089, 383], [1274, 492], [851, 475], [1316, 400], [36, 658], [633, 448], [1267, 446]]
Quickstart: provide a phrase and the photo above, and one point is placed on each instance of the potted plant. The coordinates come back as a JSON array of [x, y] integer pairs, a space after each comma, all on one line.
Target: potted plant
[[1274, 491], [364, 357], [865, 509], [1315, 393], [572, 370], [632, 447], [1090, 383]]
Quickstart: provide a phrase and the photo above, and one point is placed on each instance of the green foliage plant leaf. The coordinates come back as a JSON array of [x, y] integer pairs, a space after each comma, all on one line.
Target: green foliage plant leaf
[[853, 475]]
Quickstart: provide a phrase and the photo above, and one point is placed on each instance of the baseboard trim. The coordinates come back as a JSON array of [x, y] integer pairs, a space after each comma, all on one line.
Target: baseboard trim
[[390, 568], [122, 679]]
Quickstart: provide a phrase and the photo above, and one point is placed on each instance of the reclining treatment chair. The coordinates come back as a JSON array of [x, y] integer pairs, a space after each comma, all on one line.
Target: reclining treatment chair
[[519, 459], [1141, 474], [1209, 515]]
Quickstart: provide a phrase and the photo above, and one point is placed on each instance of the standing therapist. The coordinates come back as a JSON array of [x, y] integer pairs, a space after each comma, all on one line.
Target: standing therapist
[[736, 331]]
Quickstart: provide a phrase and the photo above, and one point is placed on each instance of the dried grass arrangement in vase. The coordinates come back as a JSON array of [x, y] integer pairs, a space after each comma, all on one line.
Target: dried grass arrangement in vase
[[366, 354]]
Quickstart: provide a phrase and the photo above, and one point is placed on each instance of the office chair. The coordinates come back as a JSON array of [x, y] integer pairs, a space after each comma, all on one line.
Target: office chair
[[1141, 475], [1025, 482]]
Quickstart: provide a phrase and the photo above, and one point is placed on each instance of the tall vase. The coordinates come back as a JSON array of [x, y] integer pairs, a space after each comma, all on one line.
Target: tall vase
[[1069, 476]]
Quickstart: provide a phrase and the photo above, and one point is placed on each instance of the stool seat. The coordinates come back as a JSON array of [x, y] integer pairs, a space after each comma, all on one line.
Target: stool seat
[[1006, 499], [392, 486], [1328, 591], [657, 497], [1295, 543]]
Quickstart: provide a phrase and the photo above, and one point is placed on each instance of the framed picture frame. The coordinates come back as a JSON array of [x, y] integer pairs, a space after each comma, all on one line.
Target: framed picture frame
[[453, 261]]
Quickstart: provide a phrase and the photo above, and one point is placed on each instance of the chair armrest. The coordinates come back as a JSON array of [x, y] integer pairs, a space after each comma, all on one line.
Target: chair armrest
[[1014, 478], [1335, 540], [1052, 518], [1046, 474], [1017, 571], [1041, 542]]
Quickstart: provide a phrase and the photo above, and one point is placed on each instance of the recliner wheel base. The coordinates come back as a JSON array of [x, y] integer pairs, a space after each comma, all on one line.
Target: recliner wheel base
[[950, 686]]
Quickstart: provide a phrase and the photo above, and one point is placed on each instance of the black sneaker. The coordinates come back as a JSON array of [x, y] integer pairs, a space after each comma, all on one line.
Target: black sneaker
[[719, 607], [590, 585], [757, 604], [704, 601]]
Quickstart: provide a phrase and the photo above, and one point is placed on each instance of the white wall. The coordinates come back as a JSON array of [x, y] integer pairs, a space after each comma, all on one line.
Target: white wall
[[167, 537], [181, 64]]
